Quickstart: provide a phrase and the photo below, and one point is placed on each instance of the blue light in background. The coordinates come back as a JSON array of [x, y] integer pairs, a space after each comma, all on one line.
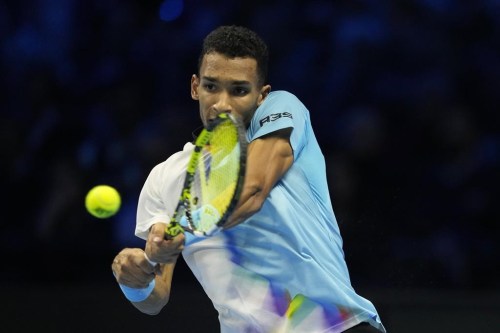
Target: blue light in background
[[171, 9]]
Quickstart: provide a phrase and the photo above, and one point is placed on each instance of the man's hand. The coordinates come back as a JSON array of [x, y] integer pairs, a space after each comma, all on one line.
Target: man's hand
[[131, 268], [161, 250]]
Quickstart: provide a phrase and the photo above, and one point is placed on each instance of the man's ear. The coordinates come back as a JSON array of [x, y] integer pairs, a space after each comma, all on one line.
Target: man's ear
[[195, 83], [264, 91]]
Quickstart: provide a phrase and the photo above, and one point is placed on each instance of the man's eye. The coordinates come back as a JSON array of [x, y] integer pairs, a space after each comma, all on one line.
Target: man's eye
[[209, 86], [241, 91]]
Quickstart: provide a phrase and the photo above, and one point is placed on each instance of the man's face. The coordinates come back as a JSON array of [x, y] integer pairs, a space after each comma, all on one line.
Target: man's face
[[227, 85]]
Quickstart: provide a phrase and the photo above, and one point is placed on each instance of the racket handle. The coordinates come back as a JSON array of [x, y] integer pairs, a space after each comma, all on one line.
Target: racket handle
[[173, 230]]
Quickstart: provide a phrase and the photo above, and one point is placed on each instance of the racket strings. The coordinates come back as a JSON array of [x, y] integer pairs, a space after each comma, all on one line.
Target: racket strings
[[215, 178]]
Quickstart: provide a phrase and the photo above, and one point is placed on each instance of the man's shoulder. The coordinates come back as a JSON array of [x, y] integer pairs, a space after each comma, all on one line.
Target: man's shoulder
[[282, 101], [282, 94], [175, 159], [283, 97]]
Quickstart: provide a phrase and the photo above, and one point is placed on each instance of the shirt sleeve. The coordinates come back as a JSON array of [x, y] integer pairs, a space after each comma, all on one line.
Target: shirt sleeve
[[281, 110], [161, 192]]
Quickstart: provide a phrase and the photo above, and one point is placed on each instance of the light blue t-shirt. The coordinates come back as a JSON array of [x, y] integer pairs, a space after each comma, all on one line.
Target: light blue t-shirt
[[283, 269]]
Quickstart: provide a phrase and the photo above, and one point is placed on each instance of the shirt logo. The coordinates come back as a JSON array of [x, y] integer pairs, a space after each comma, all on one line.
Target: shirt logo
[[274, 117]]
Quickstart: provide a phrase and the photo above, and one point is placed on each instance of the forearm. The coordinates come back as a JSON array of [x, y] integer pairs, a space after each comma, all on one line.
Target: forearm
[[249, 204], [268, 160], [161, 293]]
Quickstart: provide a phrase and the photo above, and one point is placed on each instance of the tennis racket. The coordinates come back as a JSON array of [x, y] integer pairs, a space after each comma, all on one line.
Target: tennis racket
[[214, 179]]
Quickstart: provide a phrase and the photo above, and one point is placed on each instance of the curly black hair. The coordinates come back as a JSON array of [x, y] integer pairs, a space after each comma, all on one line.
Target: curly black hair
[[236, 41]]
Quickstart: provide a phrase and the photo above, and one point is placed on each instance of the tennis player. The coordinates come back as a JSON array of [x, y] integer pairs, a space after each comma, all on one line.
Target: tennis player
[[278, 266]]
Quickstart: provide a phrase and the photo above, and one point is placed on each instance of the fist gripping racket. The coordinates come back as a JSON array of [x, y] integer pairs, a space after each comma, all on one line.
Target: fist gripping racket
[[214, 179]]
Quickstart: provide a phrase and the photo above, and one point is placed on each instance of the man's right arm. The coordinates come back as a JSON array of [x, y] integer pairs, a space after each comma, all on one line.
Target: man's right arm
[[132, 268], [165, 252]]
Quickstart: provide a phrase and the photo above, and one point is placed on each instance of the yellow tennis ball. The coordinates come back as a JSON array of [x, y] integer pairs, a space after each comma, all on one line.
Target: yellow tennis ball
[[103, 201]]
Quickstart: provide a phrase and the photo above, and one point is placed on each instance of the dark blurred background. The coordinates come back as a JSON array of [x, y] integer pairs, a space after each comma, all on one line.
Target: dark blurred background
[[403, 97]]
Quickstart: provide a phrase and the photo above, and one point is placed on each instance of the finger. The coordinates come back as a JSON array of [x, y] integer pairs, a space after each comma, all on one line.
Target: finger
[[157, 233], [178, 241], [138, 275], [132, 264], [118, 262], [155, 238]]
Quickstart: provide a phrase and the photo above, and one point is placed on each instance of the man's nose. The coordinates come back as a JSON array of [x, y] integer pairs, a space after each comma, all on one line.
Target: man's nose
[[223, 103]]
